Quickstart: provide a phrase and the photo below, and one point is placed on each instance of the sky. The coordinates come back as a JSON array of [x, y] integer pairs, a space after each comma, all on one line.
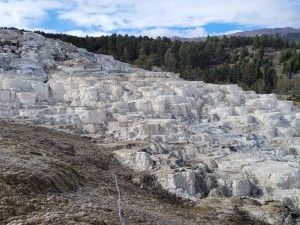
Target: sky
[[183, 18]]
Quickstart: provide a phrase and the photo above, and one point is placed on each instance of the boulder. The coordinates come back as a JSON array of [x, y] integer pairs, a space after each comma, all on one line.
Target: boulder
[[135, 159]]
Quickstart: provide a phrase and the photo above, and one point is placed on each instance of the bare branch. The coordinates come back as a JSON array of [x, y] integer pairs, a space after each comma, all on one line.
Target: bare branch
[[122, 220]]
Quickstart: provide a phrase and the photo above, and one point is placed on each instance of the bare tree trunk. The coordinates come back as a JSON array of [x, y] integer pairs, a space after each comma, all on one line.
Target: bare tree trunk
[[122, 220]]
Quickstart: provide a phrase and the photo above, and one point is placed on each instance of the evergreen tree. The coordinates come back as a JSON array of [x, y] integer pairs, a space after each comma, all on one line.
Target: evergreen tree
[[170, 60]]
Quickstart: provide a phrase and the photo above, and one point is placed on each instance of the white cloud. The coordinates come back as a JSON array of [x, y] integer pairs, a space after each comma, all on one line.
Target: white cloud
[[26, 13], [128, 14], [92, 33], [155, 17], [168, 32], [44, 30], [227, 32]]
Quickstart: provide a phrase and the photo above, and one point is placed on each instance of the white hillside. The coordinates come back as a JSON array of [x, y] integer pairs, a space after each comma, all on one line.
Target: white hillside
[[200, 140]]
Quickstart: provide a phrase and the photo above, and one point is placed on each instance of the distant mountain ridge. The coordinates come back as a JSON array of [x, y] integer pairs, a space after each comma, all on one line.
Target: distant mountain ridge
[[287, 32], [267, 31]]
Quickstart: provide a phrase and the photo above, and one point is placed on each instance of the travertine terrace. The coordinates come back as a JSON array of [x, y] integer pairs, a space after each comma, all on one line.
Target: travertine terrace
[[200, 140]]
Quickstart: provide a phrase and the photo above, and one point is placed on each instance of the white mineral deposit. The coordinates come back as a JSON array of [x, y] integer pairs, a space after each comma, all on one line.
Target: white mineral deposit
[[200, 140]]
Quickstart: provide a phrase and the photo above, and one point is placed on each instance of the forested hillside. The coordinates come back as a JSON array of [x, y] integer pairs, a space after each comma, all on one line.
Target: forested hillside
[[264, 63]]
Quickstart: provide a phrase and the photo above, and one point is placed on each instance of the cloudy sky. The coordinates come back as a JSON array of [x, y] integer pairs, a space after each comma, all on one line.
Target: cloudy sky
[[185, 18]]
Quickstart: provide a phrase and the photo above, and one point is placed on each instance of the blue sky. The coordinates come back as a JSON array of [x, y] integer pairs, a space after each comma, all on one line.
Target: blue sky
[[189, 18]]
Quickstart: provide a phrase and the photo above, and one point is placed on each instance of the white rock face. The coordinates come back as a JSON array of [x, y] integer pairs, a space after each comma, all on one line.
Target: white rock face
[[182, 183], [203, 139], [135, 159]]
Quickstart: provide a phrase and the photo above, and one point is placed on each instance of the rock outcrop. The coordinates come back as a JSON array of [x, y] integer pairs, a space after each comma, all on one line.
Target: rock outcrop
[[200, 140]]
